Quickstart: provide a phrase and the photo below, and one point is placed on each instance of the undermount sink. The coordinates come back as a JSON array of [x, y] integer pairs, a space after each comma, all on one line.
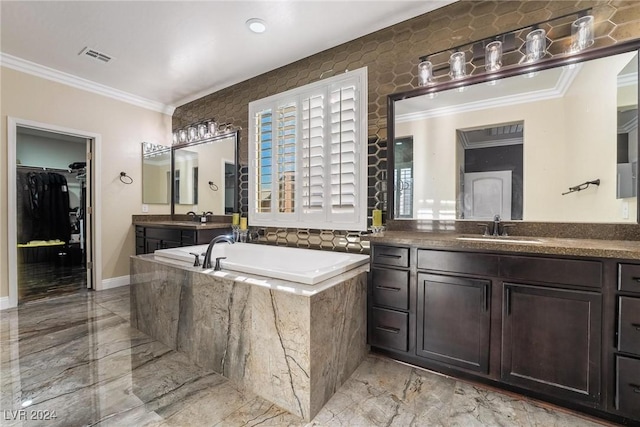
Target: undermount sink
[[501, 239]]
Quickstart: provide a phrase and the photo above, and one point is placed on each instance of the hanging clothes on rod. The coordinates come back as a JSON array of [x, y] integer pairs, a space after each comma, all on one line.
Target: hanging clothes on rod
[[43, 205]]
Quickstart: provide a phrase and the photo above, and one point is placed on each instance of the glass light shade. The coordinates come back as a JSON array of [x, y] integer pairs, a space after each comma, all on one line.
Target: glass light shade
[[213, 127], [176, 137], [457, 64], [582, 33], [192, 133], [182, 136], [202, 131], [425, 73], [536, 45], [493, 56]]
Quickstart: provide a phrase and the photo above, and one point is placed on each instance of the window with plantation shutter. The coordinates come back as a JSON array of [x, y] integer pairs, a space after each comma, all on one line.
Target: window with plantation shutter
[[308, 156]]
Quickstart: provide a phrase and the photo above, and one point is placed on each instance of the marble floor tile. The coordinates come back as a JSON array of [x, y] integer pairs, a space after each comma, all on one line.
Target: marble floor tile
[[79, 357]]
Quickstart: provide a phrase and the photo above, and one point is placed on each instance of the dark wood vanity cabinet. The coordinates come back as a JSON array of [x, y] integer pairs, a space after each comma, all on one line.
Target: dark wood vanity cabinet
[[388, 298], [627, 357], [453, 316], [551, 340], [150, 238], [540, 325]]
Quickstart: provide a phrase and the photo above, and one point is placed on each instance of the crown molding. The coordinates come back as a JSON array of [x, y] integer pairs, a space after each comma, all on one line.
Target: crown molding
[[51, 74], [559, 90]]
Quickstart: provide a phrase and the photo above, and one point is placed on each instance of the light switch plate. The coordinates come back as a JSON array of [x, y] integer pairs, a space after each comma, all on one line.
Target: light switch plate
[[625, 210], [145, 208]]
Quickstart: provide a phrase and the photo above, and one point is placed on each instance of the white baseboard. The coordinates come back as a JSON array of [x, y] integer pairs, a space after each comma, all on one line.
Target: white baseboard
[[4, 303], [115, 282]]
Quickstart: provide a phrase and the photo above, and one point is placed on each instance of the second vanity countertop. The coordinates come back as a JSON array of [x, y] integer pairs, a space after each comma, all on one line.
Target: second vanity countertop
[[623, 249], [187, 225]]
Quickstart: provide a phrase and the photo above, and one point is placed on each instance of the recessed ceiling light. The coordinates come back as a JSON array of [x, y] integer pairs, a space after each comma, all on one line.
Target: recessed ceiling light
[[257, 25]]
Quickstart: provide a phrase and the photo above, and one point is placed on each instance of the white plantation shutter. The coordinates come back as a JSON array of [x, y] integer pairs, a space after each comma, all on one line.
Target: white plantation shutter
[[263, 146], [308, 157], [344, 167], [313, 156], [286, 157]]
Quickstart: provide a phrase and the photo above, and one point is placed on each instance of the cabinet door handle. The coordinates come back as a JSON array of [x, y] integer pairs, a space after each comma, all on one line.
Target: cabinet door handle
[[637, 279], [507, 302], [485, 298], [636, 325], [388, 288], [635, 387], [389, 256], [388, 329]]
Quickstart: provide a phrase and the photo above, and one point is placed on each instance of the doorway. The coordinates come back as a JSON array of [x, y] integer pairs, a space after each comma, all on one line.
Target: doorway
[[53, 233]]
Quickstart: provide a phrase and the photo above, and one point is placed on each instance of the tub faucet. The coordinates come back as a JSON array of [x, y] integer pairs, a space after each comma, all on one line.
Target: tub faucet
[[207, 256]]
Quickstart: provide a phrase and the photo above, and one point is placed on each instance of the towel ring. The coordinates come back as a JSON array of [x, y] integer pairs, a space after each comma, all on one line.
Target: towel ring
[[125, 179], [213, 186]]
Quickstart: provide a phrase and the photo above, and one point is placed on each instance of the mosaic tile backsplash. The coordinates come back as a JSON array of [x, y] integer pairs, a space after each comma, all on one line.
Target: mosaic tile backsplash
[[392, 56]]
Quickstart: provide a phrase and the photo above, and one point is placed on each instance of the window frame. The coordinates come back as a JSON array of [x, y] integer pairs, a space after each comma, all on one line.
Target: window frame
[[325, 219]]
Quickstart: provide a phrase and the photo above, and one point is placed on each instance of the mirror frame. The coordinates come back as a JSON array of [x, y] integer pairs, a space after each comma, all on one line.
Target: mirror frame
[[236, 193], [483, 77]]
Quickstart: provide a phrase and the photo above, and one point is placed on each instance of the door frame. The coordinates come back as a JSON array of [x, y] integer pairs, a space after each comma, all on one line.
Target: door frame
[[95, 142]]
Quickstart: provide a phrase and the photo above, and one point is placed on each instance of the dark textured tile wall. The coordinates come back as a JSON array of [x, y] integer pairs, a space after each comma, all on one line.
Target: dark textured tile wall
[[392, 56]]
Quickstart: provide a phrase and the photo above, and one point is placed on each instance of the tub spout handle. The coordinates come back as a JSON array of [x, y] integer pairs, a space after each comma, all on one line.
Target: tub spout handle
[[196, 262], [217, 266]]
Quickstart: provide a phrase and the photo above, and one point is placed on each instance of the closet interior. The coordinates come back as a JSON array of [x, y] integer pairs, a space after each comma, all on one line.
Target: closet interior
[[51, 226]]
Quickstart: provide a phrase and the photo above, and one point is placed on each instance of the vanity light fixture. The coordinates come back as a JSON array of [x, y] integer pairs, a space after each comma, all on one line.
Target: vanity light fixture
[[201, 131], [256, 25], [536, 45], [493, 56], [425, 73], [458, 65], [581, 33]]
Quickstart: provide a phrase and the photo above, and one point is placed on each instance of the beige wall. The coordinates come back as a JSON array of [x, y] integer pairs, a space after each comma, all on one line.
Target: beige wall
[[122, 127], [560, 151]]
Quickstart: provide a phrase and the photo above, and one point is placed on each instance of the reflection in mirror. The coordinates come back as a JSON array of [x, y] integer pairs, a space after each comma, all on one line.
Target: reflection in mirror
[[156, 174], [513, 146], [627, 143], [205, 176]]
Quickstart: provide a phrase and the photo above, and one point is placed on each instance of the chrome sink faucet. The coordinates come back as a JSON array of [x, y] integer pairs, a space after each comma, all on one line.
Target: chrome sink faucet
[[496, 226], [207, 256], [498, 229]]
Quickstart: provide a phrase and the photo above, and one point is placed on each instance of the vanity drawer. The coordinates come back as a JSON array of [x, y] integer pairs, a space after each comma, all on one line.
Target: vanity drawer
[[628, 386], [164, 234], [459, 262], [629, 277], [389, 329], [392, 256], [390, 288], [550, 270], [629, 325]]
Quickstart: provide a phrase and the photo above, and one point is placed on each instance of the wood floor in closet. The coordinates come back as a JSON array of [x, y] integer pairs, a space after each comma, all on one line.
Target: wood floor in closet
[[46, 279]]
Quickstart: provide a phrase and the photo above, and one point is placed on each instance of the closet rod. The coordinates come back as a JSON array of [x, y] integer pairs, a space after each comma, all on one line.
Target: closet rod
[[43, 168]]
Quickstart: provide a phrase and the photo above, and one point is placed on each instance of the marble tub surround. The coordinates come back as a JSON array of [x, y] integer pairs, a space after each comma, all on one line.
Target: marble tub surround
[[292, 344], [622, 249]]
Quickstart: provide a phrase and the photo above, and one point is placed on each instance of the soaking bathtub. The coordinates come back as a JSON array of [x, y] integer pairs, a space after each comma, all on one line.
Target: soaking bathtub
[[297, 265]]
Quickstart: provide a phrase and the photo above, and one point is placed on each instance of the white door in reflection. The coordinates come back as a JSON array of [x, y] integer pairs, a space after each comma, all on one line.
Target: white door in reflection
[[487, 194]]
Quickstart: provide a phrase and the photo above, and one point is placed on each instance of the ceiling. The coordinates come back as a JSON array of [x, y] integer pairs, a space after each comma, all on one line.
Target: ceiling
[[172, 52]]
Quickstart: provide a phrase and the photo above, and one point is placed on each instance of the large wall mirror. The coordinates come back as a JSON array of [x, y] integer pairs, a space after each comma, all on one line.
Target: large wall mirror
[[205, 177], [156, 174], [512, 146]]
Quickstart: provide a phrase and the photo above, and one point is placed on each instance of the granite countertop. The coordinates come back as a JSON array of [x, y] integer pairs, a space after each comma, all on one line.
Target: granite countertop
[[623, 249], [189, 225]]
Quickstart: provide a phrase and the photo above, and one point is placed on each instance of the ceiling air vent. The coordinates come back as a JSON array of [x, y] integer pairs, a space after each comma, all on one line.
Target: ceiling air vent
[[92, 53]]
